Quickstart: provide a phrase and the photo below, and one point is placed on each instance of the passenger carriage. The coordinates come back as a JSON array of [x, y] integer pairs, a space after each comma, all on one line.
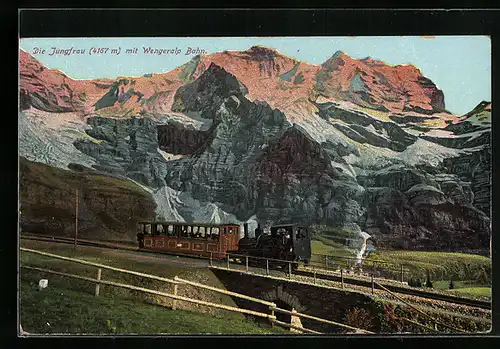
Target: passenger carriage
[[199, 239]]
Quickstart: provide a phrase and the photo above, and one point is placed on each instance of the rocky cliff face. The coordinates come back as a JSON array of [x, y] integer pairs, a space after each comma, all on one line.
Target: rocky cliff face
[[255, 135]]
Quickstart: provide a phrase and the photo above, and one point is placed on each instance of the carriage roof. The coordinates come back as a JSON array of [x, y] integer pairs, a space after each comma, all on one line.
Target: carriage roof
[[186, 223], [287, 226]]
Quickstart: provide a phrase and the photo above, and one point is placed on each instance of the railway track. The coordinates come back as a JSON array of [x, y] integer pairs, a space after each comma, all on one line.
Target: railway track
[[318, 274], [401, 289]]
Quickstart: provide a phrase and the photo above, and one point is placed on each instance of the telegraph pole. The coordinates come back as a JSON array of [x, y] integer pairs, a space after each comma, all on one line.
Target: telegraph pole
[[76, 218]]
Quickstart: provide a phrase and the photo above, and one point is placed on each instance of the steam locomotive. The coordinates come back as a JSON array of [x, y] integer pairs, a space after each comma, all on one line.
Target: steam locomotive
[[283, 242]]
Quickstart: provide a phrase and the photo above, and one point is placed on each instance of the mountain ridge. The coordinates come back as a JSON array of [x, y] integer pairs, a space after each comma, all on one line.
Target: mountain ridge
[[378, 86]]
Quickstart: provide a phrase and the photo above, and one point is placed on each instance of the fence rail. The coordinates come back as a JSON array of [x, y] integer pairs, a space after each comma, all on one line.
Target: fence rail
[[147, 290], [229, 293], [98, 265], [176, 282], [396, 272], [293, 313]]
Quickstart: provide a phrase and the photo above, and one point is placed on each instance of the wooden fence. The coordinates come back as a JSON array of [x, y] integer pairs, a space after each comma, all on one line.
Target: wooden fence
[[178, 281]]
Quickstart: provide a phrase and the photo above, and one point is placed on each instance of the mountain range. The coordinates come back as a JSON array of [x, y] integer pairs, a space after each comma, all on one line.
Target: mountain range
[[254, 135]]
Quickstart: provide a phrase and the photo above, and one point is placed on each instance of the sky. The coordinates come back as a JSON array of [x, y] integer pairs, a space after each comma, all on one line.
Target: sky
[[458, 65]]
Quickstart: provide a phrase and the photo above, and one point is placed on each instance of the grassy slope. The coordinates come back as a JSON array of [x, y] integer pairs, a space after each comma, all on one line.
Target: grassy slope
[[81, 293], [473, 291], [441, 265], [59, 310], [463, 268], [108, 207], [54, 177], [328, 240]]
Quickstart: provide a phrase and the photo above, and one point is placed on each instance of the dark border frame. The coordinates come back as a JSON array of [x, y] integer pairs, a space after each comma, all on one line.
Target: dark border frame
[[250, 22]]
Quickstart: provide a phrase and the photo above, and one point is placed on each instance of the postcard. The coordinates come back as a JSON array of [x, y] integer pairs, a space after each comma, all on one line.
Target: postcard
[[255, 185]]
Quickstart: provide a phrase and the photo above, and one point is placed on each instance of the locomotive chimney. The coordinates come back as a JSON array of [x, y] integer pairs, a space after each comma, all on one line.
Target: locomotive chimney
[[245, 230], [258, 231]]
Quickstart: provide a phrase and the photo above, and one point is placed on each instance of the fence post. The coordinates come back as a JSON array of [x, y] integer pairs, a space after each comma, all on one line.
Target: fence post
[[97, 285], [326, 261], [267, 266], [174, 302], [211, 262], [373, 285], [272, 314], [314, 270], [342, 277], [246, 263], [401, 272], [227, 261], [290, 270]]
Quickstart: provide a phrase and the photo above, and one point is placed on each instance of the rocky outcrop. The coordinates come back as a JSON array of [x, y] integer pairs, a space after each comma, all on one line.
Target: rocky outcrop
[[109, 207], [128, 147], [297, 182], [365, 129], [474, 165], [43, 88], [376, 85], [176, 139], [425, 216]]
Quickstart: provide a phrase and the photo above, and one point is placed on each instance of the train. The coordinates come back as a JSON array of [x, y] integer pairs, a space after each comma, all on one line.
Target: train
[[287, 242]]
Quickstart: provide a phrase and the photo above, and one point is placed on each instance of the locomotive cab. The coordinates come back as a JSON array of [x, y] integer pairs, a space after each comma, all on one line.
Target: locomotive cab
[[294, 240]]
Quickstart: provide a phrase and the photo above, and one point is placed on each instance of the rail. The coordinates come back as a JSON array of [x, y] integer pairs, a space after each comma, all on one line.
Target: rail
[[420, 311], [420, 325], [98, 265], [229, 293], [293, 313], [146, 290], [176, 282]]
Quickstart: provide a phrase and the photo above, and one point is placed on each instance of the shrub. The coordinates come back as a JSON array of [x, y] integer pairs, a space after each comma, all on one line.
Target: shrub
[[360, 318], [391, 318], [415, 282], [483, 277]]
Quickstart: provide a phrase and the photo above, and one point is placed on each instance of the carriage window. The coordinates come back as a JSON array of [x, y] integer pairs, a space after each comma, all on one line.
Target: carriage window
[[301, 233], [170, 230], [215, 233], [147, 229], [184, 231], [202, 232], [236, 231], [159, 229]]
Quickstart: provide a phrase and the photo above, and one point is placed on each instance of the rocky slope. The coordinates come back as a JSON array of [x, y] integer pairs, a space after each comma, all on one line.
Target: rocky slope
[[255, 135]]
